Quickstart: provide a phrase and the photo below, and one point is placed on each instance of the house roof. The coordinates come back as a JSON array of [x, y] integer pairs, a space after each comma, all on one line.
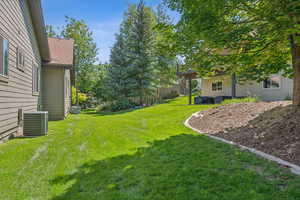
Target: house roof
[[37, 17], [61, 51], [188, 74], [52, 50]]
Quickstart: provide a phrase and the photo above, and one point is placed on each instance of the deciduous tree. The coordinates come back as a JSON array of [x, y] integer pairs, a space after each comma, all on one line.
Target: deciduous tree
[[51, 31], [165, 60], [85, 52], [252, 38]]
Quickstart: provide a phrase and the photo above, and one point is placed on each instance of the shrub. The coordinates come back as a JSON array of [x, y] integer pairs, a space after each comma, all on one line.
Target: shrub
[[288, 98], [119, 105], [171, 95], [100, 108], [82, 98], [195, 84], [241, 100], [74, 95]]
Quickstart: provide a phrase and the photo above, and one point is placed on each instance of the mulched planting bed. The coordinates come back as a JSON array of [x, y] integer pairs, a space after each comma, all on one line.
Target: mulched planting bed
[[273, 128]]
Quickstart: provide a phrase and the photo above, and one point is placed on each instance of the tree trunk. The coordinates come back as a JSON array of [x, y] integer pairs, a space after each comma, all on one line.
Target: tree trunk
[[296, 66], [141, 100]]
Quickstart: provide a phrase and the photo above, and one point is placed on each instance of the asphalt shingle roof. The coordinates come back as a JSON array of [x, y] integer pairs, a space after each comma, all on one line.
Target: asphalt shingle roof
[[61, 51]]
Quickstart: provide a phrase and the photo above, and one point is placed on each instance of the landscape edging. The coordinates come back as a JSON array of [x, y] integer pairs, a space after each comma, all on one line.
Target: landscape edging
[[294, 168]]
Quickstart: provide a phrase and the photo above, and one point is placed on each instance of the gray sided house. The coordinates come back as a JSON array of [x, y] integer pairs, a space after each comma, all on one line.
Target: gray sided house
[[56, 76], [24, 59], [275, 88]]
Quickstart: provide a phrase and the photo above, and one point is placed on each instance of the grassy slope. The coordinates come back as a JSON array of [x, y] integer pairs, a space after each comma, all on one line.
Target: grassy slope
[[143, 154]]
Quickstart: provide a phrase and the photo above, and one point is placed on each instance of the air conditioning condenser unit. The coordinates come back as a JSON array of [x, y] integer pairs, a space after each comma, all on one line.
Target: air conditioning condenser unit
[[35, 123]]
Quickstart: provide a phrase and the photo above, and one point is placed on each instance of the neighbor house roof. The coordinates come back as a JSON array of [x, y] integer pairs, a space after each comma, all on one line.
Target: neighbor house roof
[[61, 51], [37, 17]]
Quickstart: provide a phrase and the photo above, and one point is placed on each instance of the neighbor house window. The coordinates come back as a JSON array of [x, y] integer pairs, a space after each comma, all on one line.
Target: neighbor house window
[[4, 45], [217, 86], [272, 82], [35, 79], [20, 59]]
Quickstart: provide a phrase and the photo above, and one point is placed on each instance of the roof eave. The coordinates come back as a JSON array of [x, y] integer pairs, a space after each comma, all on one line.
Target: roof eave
[[39, 28], [49, 64]]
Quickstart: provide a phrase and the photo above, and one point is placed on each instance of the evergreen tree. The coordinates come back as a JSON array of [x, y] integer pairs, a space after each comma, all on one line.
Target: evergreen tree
[[119, 82], [141, 41], [138, 63], [118, 77]]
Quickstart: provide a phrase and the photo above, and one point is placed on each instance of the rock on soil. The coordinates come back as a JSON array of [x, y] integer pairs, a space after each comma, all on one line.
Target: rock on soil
[[273, 128]]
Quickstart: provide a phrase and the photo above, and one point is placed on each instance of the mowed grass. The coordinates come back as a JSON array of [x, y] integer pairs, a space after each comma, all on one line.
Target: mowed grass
[[144, 154]]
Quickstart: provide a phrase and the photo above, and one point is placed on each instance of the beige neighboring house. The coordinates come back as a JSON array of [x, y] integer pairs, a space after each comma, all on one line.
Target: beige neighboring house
[[275, 88], [56, 75], [24, 55]]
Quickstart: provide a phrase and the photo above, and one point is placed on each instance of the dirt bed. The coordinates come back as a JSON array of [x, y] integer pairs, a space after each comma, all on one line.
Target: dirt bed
[[273, 128]]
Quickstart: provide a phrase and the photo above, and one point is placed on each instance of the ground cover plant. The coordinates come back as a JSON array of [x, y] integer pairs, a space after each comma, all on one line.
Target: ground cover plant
[[136, 154]]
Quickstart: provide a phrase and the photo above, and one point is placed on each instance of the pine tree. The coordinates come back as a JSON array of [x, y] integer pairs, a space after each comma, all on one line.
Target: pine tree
[[118, 77], [137, 65], [141, 41], [119, 82]]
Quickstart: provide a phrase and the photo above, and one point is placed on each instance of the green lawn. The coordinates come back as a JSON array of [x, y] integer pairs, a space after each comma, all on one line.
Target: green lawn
[[145, 154]]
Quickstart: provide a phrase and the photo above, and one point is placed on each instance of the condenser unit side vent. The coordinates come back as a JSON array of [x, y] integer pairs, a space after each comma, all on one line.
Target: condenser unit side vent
[[35, 123]]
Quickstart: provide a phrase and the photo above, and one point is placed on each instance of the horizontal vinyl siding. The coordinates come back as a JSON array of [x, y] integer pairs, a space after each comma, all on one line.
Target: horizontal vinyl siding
[[207, 86], [53, 92], [255, 89], [249, 89], [16, 26], [7, 134]]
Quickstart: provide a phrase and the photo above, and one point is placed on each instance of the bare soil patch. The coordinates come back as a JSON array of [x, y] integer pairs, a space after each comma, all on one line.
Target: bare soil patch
[[273, 128]]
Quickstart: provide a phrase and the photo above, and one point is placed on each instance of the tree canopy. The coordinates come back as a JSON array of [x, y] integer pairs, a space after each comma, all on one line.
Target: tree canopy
[[138, 65], [248, 37], [85, 52]]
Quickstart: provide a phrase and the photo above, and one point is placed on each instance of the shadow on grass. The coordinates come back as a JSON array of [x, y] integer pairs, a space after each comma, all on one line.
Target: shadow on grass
[[107, 113], [181, 167]]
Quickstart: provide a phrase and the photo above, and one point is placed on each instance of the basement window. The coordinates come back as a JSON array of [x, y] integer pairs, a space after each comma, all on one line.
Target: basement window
[[272, 83], [217, 86]]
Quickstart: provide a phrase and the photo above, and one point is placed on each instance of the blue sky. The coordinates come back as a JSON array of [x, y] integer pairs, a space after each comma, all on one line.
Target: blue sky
[[102, 16]]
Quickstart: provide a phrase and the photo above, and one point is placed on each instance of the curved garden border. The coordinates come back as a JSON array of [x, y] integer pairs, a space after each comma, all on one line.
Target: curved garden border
[[294, 168]]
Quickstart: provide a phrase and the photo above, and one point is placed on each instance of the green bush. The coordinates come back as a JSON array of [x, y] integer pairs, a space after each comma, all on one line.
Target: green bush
[[171, 95], [288, 98], [241, 100], [119, 105], [82, 98], [74, 95]]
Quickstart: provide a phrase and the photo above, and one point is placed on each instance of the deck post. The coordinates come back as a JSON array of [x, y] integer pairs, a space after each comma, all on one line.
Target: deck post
[[190, 91], [233, 93]]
